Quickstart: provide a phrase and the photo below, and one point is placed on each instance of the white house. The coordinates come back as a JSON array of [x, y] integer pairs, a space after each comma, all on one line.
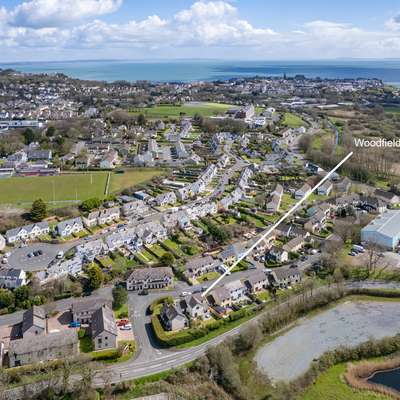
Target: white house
[[69, 227], [27, 232], [11, 278]]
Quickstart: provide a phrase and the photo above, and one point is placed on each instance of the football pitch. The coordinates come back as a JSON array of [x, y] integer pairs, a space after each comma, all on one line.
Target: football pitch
[[69, 188]]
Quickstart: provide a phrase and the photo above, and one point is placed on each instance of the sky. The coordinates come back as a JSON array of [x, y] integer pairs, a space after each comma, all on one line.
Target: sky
[[56, 30]]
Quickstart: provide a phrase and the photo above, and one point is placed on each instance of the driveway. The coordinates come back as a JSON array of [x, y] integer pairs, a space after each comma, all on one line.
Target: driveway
[[19, 257]]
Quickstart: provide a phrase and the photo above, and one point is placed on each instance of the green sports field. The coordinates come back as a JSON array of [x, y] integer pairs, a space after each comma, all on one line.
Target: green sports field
[[68, 188], [188, 109]]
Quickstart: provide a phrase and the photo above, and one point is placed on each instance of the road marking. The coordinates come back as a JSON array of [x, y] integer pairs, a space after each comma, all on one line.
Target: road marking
[[282, 219]]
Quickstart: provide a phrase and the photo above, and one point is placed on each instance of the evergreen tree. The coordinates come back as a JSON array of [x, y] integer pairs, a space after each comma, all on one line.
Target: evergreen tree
[[38, 211]]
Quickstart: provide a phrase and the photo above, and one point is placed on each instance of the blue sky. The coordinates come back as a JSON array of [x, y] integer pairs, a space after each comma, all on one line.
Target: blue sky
[[226, 29]]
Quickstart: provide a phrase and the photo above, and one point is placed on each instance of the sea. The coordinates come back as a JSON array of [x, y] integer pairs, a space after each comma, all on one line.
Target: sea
[[209, 70]]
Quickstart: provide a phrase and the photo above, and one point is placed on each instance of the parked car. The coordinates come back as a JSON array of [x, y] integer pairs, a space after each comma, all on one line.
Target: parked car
[[183, 294], [126, 327], [75, 324], [122, 322], [143, 292]]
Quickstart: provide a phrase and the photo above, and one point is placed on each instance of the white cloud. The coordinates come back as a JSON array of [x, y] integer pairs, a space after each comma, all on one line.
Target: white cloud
[[205, 28], [53, 13]]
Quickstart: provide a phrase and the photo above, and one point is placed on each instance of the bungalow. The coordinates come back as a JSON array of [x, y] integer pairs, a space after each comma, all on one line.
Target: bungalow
[[257, 282], [150, 278], [166, 198], [277, 255], [104, 329], [12, 278], [303, 191], [69, 226], [199, 266], [27, 232], [172, 317], [285, 276]]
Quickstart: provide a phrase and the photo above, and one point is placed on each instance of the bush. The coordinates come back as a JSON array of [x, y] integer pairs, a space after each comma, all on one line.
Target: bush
[[106, 355]]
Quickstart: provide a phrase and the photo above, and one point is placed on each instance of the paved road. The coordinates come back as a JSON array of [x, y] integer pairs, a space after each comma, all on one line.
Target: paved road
[[161, 359]]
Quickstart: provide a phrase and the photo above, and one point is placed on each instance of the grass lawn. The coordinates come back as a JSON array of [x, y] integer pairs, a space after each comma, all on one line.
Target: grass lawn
[[174, 246], [68, 188], [209, 276], [188, 109], [132, 177], [264, 295], [158, 250], [292, 121], [330, 386]]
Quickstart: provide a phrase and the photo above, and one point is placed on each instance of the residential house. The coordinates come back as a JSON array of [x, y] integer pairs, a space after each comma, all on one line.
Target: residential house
[[294, 245], [237, 290], [2, 242], [108, 215], [83, 309], [12, 278], [104, 329], [257, 282], [303, 191], [372, 204], [69, 227], [173, 317], [316, 223], [88, 251], [68, 266], [277, 255], [285, 276], [33, 322], [325, 189], [232, 252], [199, 266], [195, 307], [27, 232], [110, 161], [134, 208], [37, 155], [150, 278], [343, 186], [220, 297], [166, 198], [29, 350], [275, 200], [389, 198]]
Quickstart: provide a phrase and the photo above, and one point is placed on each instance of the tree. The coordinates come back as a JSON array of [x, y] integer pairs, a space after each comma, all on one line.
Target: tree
[[95, 276], [38, 211], [90, 204], [120, 297], [51, 130], [141, 120], [29, 136], [22, 295], [167, 259], [6, 298]]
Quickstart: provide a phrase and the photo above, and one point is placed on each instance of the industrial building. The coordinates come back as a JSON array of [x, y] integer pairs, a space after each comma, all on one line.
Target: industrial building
[[383, 230]]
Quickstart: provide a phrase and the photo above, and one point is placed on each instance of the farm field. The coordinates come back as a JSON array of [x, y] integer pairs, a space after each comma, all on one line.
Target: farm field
[[65, 189], [292, 121], [189, 109]]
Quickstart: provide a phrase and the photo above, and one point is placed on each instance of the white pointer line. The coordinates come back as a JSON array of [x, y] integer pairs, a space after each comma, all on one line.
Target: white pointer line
[[265, 234]]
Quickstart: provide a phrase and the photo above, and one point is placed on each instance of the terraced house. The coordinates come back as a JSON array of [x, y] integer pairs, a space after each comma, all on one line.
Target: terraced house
[[27, 232], [150, 278], [69, 227]]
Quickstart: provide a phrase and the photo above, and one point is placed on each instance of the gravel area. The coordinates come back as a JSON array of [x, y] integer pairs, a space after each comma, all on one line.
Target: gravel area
[[350, 323]]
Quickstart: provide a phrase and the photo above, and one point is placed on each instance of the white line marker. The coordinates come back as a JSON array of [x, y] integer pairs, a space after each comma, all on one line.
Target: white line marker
[[264, 235]]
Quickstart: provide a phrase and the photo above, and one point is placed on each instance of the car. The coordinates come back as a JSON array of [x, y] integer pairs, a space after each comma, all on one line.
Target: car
[[303, 258], [122, 322], [74, 324], [40, 252], [30, 255], [204, 288], [143, 292], [4, 260], [60, 254], [183, 294], [352, 254], [294, 266], [126, 327]]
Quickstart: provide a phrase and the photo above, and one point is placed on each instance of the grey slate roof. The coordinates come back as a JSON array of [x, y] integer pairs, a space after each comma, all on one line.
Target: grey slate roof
[[33, 317], [103, 320], [28, 228]]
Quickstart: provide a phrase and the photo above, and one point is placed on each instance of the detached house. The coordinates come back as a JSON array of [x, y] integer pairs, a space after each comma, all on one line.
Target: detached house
[[285, 276], [277, 255], [257, 282], [104, 329], [237, 290], [173, 317], [316, 223], [69, 227], [195, 307], [166, 198]]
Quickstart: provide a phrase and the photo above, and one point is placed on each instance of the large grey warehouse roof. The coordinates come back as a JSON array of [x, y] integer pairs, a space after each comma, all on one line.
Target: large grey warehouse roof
[[387, 224]]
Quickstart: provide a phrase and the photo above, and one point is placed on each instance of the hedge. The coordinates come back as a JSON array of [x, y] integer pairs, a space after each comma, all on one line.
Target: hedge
[[104, 355], [187, 335]]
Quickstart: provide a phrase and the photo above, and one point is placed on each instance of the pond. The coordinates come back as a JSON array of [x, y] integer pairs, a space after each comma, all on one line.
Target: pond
[[389, 378], [348, 324]]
